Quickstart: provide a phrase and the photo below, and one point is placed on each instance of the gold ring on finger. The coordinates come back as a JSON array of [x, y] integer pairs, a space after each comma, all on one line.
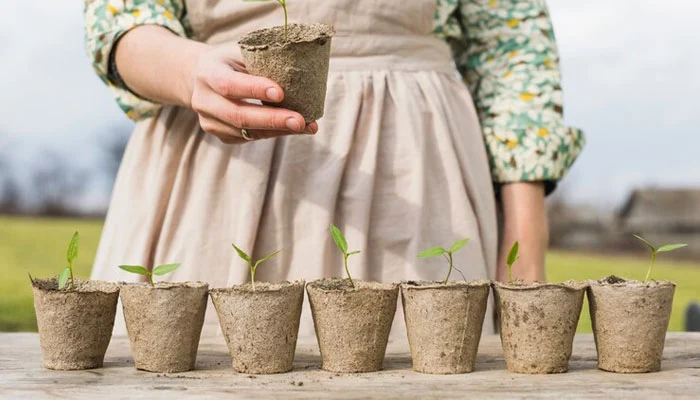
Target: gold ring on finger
[[245, 134]]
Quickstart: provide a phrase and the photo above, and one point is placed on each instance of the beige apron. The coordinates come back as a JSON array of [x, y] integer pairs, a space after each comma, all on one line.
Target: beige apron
[[399, 164]]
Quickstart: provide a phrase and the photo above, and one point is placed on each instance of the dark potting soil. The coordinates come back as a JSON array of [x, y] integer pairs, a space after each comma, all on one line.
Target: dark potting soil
[[342, 284]]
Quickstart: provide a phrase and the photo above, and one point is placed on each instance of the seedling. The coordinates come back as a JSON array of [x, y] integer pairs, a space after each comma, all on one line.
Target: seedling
[[342, 244], [655, 251], [283, 3], [253, 265], [71, 256], [511, 259], [441, 251], [159, 270]]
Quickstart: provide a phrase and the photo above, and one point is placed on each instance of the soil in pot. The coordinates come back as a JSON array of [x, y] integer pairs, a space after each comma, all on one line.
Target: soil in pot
[[352, 324], [630, 319], [164, 323], [537, 324], [444, 323], [298, 63], [75, 325], [260, 326]]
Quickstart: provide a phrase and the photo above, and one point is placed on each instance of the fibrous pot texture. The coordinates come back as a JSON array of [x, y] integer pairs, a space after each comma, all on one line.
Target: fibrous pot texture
[[352, 324], [164, 324], [260, 326], [537, 324], [444, 323], [75, 325], [298, 62], [630, 319]]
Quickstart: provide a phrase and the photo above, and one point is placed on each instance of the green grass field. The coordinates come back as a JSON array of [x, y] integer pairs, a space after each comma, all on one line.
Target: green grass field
[[39, 246]]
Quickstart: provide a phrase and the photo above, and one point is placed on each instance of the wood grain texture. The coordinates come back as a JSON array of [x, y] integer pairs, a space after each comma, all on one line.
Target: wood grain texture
[[21, 376]]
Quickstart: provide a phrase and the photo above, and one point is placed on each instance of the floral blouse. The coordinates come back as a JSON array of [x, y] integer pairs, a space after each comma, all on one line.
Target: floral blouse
[[504, 49]]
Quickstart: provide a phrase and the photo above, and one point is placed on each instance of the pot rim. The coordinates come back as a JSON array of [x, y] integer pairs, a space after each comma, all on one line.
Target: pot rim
[[166, 285], [377, 286], [247, 288], [438, 285], [568, 285], [327, 31], [106, 287]]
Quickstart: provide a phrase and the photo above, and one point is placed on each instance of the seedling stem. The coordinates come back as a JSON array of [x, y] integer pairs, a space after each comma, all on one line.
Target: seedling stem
[[283, 3]]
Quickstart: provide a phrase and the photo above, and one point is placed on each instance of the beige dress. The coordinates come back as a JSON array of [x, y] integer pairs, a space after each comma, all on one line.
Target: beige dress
[[399, 164]]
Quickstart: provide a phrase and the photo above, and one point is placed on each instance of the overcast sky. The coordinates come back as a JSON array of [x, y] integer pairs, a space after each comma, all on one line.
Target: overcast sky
[[631, 80]]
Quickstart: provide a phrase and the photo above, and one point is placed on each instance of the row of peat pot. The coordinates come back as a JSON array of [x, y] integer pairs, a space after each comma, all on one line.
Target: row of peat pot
[[443, 321]]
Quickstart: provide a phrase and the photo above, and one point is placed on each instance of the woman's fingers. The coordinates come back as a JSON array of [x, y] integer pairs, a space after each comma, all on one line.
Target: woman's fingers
[[232, 135], [233, 84], [240, 114]]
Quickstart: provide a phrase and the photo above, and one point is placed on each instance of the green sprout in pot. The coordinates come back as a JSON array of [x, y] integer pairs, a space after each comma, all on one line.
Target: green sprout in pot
[[253, 265], [159, 270], [441, 251], [655, 251], [283, 3], [71, 256], [67, 273], [342, 244], [511, 259]]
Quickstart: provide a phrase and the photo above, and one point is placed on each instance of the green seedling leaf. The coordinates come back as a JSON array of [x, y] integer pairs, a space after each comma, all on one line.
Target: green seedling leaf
[[267, 257], [135, 269], [432, 252], [459, 244], [339, 239], [653, 249], [354, 252], [242, 254], [63, 278], [165, 269], [670, 247], [511, 259], [73, 248]]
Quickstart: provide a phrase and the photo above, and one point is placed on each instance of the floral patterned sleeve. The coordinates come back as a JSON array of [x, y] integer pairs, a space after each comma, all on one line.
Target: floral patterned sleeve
[[105, 23], [507, 53]]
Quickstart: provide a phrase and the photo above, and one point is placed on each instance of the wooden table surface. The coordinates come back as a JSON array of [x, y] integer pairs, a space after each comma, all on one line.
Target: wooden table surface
[[22, 376]]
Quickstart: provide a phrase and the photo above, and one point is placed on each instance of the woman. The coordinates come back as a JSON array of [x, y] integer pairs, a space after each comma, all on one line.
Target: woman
[[398, 161]]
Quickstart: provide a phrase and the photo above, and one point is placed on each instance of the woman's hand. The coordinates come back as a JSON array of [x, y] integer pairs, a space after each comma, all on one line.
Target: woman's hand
[[168, 69], [220, 93], [524, 220]]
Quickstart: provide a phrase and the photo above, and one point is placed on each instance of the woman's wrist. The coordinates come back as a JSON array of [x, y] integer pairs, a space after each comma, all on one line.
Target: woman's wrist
[[172, 63]]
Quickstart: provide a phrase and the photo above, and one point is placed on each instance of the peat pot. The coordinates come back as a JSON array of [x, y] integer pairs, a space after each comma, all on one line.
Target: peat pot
[[75, 325], [537, 324], [164, 323], [630, 319], [444, 323], [260, 325], [352, 324]]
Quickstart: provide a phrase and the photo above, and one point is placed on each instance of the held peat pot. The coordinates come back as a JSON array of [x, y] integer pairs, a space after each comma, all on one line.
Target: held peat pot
[[630, 319], [297, 62], [75, 325], [444, 323], [261, 325], [537, 324], [164, 323], [352, 324]]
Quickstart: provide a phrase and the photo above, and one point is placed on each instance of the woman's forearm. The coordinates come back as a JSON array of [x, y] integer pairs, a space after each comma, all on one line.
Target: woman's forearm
[[524, 220], [158, 65]]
